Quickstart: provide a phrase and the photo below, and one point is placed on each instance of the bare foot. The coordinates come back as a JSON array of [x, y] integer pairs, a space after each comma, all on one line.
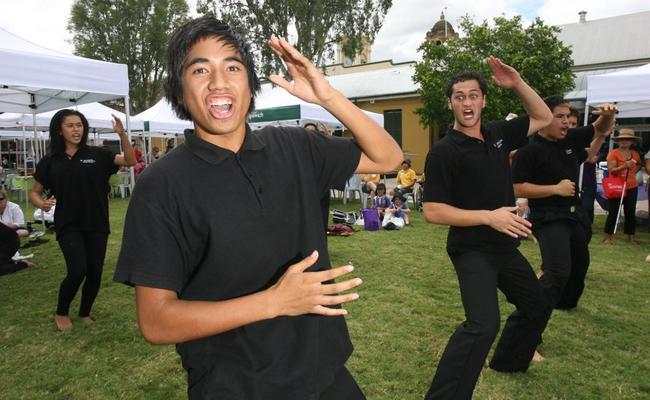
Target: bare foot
[[86, 320], [537, 356], [647, 259], [609, 239], [29, 264], [62, 322], [540, 273], [632, 240]]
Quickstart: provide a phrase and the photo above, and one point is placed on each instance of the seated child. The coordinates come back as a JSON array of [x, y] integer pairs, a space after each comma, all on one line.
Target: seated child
[[381, 201], [397, 215]]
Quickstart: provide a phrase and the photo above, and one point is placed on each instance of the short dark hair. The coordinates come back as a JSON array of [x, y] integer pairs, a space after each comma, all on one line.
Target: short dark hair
[[556, 101], [466, 76], [574, 112], [180, 44], [380, 186], [57, 142]]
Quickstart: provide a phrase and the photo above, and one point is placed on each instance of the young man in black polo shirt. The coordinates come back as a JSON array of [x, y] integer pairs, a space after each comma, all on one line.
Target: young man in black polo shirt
[[469, 188], [546, 173], [223, 237]]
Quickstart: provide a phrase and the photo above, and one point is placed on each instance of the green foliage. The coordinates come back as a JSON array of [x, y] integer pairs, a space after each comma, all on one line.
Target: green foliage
[[319, 25], [541, 59], [131, 32], [408, 308]]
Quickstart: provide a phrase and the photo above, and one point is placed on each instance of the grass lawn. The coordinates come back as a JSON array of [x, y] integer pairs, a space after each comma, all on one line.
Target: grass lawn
[[409, 307]]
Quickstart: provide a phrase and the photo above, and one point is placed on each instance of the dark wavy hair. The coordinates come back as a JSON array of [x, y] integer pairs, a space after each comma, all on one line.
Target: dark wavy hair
[[466, 76], [180, 44], [556, 101], [57, 143]]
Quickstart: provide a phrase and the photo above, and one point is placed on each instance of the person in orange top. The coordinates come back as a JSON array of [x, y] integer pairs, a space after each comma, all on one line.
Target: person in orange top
[[623, 161]]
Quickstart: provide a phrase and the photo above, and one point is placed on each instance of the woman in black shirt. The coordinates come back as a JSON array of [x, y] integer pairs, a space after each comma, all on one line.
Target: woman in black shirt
[[75, 177]]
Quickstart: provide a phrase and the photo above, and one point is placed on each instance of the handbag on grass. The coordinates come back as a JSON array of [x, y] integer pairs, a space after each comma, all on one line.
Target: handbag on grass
[[614, 187]]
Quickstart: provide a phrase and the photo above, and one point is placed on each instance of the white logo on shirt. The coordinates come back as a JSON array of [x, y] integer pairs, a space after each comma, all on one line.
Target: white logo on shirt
[[498, 144], [87, 161], [568, 152]]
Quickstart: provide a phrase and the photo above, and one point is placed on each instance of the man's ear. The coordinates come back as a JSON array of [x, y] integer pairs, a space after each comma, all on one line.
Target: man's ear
[[484, 101], [449, 104]]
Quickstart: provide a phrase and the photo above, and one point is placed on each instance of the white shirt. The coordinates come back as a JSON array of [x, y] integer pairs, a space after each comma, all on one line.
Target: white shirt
[[12, 215]]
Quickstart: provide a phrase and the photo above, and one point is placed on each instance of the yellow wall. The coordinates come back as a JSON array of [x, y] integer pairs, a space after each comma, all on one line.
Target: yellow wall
[[415, 138]]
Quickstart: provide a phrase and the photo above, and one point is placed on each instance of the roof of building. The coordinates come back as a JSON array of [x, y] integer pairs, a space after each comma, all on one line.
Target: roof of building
[[441, 28], [394, 81], [618, 39]]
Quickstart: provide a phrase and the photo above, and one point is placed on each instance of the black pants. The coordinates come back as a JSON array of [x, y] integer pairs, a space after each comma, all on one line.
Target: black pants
[[84, 254], [588, 197], [9, 243], [479, 276], [629, 207], [565, 254]]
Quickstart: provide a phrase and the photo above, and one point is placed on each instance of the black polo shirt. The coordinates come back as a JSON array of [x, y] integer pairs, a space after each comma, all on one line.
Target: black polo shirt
[[80, 186], [545, 162], [471, 174], [211, 224]]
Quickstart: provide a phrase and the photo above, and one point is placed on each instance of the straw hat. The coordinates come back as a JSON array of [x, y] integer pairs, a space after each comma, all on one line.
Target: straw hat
[[626, 133]]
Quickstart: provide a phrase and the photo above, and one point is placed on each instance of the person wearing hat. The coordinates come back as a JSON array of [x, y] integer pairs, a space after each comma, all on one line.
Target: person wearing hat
[[546, 173], [398, 213], [406, 178], [626, 162]]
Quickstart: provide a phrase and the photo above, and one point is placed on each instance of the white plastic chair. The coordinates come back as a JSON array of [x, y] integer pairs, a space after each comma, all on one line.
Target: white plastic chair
[[352, 186]]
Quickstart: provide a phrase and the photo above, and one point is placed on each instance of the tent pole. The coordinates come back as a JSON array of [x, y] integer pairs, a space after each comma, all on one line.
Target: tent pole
[[128, 134]]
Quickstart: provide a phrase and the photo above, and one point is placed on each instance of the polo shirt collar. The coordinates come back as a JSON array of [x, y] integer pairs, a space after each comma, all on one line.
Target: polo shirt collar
[[459, 137], [214, 154]]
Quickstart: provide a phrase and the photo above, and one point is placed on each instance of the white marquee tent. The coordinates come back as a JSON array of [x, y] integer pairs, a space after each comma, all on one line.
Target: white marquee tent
[[160, 118], [629, 88], [34, 79]]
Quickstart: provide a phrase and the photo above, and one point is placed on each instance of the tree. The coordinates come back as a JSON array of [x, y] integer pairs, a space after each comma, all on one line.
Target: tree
[[541, 59], [131, 32], [319, 25]]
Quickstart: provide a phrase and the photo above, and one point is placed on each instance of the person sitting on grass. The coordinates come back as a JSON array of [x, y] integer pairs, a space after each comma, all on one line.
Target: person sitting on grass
[[9, 243], [11, 215], [397, 215], [381, 201]]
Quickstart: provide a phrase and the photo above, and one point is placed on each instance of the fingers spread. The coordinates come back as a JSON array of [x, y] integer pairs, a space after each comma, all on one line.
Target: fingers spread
[[304, 263], [333, 288]]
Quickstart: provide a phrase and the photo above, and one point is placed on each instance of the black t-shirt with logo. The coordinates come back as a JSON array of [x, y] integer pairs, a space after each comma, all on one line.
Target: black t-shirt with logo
[[472, 174], [545, 162], [80, 186], [213, 225]]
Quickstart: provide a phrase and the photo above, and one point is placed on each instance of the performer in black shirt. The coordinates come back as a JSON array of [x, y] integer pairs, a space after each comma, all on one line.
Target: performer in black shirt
[[76, 176], [546, 173], [469, 188], [244, 287]]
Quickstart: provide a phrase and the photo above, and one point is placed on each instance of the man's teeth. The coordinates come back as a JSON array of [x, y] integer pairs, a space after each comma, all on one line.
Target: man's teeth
[[222, 105]]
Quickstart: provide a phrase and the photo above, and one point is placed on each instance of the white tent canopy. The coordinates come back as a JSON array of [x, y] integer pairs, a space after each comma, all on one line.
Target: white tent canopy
[[160, 118], [629, 88], [276, 106], [36, 79], [98, 116]]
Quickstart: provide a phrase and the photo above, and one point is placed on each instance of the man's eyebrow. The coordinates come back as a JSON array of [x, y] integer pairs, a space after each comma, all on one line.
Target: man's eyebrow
[[198, 60], [195, 60]]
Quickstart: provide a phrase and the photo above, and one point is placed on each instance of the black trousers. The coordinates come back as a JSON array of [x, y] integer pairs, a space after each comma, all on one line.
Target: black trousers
[[84, 254], [343, 388], [479, 276], [564, 248], [9, 243], [629, 207]]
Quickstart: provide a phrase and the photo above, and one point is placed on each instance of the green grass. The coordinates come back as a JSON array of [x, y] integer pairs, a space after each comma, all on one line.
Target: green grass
[[409, 307]]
